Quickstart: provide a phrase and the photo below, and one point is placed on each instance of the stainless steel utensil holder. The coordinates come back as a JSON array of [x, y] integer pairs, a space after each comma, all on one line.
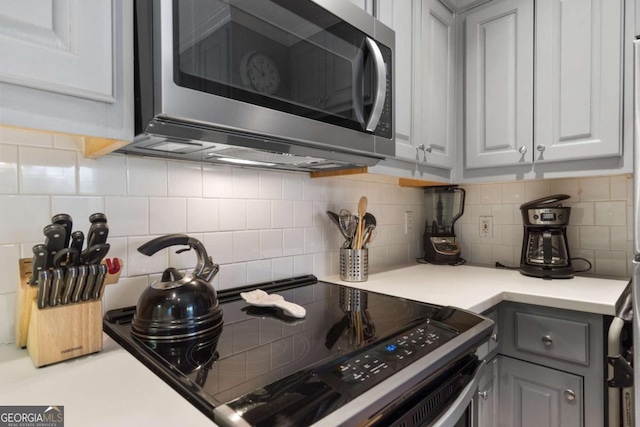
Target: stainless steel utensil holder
[[354, 265]]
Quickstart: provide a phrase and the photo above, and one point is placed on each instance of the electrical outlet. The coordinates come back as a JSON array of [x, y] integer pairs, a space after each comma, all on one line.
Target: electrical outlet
[[486, 226], [408, 222]]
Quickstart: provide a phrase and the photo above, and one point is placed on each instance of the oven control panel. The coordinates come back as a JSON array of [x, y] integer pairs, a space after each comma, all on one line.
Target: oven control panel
[[372, 366]]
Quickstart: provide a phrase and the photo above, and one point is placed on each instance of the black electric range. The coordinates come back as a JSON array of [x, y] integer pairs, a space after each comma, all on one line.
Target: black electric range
[[357, 356]]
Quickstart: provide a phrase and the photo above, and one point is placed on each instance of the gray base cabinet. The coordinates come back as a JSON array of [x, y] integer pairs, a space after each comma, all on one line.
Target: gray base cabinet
[[536, 396], [545, 367]]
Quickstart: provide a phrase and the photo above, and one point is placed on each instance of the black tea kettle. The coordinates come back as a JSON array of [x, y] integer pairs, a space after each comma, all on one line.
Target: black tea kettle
[[179, 311]]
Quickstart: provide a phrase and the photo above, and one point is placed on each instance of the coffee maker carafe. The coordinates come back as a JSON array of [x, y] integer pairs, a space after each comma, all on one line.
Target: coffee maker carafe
[[545, 251]]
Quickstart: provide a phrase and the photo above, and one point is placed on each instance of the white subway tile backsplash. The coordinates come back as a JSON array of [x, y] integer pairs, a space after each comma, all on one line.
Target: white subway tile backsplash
[[618, 187], [23, 218], [258, 214], [245, 183], [313, 240], [202, 215], [127, 216], [313, 189], [80, 208], [233, 214], [536, 189], [303, 214], [47, 171], [513, 192], [490, 194], [594, 189], [140, 264], [570, 187], [185, 179], [233, 276], [106, 176], [9, 256], [303, 264], [217, 181], [270, 186], [258, 271], [68, 142], [582, 213], [246, 246], [610, 262], [167, 215], [271, 243], [292, 241], [124, 293], [292, 186], [281, 268], [146, 177], [282, 214], [219, 246], [8, 169], [594, 237], [7, 318], [611, 213], [619, 238]]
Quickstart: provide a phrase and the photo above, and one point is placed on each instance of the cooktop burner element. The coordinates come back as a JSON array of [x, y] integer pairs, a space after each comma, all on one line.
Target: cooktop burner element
[[273, 369]]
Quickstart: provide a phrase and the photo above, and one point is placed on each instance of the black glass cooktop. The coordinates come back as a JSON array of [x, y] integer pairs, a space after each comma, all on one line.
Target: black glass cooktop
[[349, 341]]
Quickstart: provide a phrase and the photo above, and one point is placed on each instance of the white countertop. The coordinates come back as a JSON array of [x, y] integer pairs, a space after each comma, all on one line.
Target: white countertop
[[113, 388]]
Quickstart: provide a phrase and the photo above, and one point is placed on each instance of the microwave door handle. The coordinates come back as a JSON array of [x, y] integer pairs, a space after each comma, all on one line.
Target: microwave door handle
[[452, 415], [381, 92], [357, 92]]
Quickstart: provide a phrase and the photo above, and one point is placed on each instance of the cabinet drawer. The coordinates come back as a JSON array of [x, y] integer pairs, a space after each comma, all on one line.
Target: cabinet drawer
[[552, 337]]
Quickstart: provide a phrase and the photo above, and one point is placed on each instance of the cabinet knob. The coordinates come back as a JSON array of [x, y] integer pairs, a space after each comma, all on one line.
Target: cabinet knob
[[485, 394], [540, 148], [522, 150], [546, 340], [570, 395], [426, 148], [494, 337]]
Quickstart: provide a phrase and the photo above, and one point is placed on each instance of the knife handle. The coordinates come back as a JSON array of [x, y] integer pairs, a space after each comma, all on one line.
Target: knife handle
[[97, 217], [44, 283], [99, 286], [65, 221], [69, 284], [54, 242], [38, 263], [83, 271], [56, 285], [98, 233], [77, 240], [91, 282]]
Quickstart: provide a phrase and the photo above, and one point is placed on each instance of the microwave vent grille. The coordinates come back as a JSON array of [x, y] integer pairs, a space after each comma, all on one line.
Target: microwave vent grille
[[266, 156]]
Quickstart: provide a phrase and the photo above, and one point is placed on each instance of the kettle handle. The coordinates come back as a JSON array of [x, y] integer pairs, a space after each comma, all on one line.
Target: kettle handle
[[205, 269]]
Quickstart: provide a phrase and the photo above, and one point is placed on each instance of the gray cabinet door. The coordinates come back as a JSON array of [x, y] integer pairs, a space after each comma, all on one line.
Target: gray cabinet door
[[488, 396], [535, 396], [499, 84], [68, 67], [578, 79]]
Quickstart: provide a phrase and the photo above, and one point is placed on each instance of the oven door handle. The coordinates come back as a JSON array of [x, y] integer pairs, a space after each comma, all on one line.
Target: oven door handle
[[452, 415]]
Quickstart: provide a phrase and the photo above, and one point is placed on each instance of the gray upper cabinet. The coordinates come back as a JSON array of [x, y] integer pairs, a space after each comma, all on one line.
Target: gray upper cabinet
[[434, 111], [577, 80], [366, 5], [424, 79], [67, 66], [499, 84]]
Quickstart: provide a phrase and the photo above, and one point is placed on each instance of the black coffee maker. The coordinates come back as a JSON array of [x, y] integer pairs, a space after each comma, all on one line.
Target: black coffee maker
[[444, 206], [545, 251]]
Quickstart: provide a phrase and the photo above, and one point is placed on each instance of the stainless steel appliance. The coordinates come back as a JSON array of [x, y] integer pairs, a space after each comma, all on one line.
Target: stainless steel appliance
[[636, 219], [358, 357], [444, 206], [545, 250], [302, 85]]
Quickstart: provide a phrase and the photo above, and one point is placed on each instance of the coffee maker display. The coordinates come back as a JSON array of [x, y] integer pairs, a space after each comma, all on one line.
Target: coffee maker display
[[545, 251], [444, 206]]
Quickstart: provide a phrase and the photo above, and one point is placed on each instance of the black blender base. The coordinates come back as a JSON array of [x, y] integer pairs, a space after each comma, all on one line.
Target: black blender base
[[547, 273]]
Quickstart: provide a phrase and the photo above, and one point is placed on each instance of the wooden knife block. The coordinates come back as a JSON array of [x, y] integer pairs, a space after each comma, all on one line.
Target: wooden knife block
[[54, 334]]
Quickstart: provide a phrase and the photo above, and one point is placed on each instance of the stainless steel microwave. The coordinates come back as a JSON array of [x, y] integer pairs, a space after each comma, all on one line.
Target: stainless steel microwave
[[289, 84]]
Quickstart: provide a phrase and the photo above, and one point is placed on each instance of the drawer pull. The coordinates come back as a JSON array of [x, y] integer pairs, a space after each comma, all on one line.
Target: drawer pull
[[494, 337], [546, 340], [570, 395], [484, 394]]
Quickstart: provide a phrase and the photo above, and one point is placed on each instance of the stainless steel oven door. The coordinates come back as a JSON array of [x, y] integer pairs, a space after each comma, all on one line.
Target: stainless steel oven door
[[463, 412], [285, 69]]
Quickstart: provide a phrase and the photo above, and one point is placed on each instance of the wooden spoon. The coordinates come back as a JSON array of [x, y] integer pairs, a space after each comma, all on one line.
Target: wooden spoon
[[362, 210]]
